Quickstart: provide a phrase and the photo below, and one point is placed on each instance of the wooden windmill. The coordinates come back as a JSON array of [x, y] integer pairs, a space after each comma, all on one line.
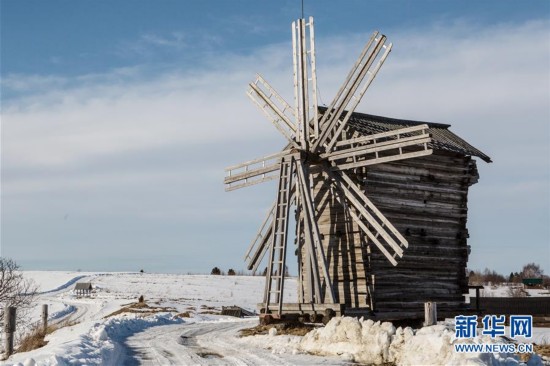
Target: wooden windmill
[[318, 172]]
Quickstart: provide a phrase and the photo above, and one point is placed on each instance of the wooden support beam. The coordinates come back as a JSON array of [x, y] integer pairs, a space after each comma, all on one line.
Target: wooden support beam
[[309, 213]]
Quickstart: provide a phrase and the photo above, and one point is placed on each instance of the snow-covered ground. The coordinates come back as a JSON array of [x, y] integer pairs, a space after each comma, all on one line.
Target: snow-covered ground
[[144, 337], [504, 291]]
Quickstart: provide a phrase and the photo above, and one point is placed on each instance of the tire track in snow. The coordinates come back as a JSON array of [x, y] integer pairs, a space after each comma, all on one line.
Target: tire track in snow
[[207, 343]]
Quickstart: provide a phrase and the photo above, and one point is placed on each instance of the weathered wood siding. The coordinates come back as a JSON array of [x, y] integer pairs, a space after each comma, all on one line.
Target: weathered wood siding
[[426, 200], [341, 241]]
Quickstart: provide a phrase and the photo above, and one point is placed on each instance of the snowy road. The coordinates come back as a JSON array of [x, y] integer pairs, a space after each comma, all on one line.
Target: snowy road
[[207, 343]]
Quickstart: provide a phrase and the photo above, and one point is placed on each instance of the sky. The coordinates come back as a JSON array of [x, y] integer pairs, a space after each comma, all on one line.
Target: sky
[[118, 119]]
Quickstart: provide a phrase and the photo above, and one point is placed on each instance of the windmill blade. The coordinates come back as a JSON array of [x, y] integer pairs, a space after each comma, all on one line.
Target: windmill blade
[[305, 81], [258, 247], [254, 171], [311, 232], [313, 79], [299, 63], [403, 143], [348, 97], [362, 209], [277, 110]]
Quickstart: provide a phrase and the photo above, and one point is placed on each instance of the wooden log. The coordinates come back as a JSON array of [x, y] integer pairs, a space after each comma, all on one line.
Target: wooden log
[[430, 313]]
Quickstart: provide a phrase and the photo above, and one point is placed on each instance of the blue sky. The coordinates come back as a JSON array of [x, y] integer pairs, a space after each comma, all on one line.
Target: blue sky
[[119, 117]]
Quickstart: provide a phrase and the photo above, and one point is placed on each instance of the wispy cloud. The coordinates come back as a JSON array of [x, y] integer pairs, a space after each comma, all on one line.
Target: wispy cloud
[[138, 143], [172, 40]]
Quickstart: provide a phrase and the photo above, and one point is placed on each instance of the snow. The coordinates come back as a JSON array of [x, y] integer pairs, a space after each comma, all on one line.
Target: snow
[[504, 291], [89, 336], [364, 341]]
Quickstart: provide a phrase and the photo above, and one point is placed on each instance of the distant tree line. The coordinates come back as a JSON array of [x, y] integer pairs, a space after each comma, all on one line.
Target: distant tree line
[[216, 271], [530, 270], [230, 272]]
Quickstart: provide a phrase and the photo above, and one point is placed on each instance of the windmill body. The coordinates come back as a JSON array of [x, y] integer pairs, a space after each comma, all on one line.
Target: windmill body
[[343, 240]]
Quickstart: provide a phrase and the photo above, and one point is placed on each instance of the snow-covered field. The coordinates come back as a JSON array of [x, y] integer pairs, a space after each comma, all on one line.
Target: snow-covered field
[[504, 291], [159, 337]]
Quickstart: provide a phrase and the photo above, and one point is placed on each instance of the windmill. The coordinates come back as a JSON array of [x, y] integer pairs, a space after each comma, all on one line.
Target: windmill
[[320, 163]]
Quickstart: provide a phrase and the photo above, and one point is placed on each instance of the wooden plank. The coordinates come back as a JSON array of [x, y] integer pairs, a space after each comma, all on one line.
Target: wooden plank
[[356, 99], [273, 113], [381, 160], [333, 125], [233, 187], [313, 68], [325, 119], [365, 202], [377, 136], [377, 147], [261, 160], [285, 106], [260, 242], [307, 308]]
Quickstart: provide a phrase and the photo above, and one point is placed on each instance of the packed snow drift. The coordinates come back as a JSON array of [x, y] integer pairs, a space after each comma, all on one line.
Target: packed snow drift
[[179, 322]]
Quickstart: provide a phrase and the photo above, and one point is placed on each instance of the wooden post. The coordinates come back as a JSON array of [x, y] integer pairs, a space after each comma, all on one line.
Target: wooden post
[[477, 301], [9, 329], [430, 313], [45, 318]]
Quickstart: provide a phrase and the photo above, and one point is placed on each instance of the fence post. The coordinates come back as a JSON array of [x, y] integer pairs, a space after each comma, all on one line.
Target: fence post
[[45, 318], [430, 313], [478, 311], [9, 329]]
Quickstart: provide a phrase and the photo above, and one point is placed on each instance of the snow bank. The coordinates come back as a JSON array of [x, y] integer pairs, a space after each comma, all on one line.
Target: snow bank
[[278, 344], [354, 340], [364, 341], [102, 345], [68, 309]]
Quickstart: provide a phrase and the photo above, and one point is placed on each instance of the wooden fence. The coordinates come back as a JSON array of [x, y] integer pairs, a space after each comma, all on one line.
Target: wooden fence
[[536, 306]]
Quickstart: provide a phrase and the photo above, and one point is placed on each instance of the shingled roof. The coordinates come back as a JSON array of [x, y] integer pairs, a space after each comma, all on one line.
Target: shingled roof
[[443, 139], [83, 286]]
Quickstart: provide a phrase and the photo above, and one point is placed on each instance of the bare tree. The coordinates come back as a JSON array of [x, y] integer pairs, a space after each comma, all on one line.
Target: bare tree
[[516, 291], [485, 277], [16, 291], [531, 270]]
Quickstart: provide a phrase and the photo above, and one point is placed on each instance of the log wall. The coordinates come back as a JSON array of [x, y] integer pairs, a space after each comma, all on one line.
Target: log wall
[[426, 200]]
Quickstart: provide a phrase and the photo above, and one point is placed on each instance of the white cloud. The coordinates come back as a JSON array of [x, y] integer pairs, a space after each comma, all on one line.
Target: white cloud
[[97, 133]]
